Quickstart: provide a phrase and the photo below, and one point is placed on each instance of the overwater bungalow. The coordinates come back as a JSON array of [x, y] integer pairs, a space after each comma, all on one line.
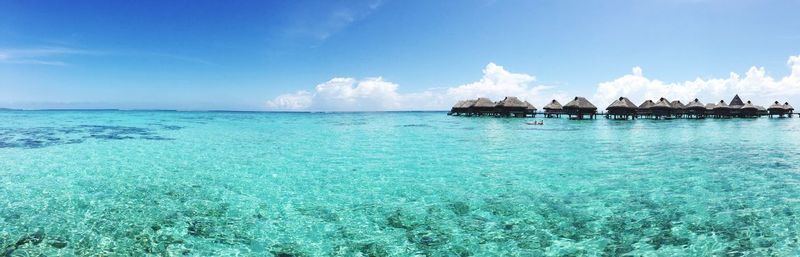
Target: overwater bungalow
[[710, 109], [661, 108], [789, 109], [457, 108], [678, 108], [469, 107], [722, 110], [644, 108], [776, 109], [463, 107], [511, 106], [762, 111], [736, 104], [553, 109], [696, 109], [579, 108], [483, 106], [621, 108], [529, 109], [748, 110]]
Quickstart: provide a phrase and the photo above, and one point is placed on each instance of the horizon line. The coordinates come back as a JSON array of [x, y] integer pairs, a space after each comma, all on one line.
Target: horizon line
[[211, 110]]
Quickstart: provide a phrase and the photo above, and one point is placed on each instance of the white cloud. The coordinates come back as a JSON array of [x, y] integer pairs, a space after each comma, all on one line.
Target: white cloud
[[295, 101], [498, 83], [755, 85], [348, 94], [376, 94]]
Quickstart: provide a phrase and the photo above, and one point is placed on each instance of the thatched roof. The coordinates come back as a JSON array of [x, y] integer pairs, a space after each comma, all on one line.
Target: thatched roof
[[776, 106], [580, 103], [553, 105], [748, 105], [695, 104], [736, 102], [710, 106], [788, 107], [647, 104], [483, 102], [761, 108], [722, 105], [662, 103], [513, 102], [622, 103], [459, 104], [529, 106], [469, 103], [677, 105]]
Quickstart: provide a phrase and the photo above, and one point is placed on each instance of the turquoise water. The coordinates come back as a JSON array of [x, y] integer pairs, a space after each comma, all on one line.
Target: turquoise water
[[112, 183]]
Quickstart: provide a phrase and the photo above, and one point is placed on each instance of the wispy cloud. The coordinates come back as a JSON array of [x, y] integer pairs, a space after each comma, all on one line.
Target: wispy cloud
[[40, 55], [181, 58], [335, 19], [54, 56], [37, 62]]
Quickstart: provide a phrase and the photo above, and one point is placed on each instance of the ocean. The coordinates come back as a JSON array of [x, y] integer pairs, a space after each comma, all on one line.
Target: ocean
[[138, 183]]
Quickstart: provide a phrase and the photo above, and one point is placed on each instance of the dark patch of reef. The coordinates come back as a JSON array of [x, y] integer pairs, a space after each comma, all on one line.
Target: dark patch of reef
[[38, 137]]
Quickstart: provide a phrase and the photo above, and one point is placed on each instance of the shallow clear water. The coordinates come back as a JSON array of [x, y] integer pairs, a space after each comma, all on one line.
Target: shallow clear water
[[76, 183]]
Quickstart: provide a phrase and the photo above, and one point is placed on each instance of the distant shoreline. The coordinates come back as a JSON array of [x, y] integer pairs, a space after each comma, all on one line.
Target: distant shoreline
[[220, 111]]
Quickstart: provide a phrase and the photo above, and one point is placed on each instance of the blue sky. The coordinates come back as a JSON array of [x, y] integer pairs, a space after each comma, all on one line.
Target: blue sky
[[241, 55]]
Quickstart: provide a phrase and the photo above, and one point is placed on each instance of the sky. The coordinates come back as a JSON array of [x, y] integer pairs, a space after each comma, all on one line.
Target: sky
[[377, 55]]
